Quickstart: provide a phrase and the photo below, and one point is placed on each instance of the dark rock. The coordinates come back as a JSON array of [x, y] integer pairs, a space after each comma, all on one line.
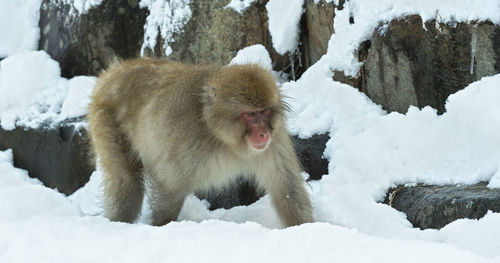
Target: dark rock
[[408, 64], [310, 152], [56, 156], [243, 192], [85, 44], [436, 206]]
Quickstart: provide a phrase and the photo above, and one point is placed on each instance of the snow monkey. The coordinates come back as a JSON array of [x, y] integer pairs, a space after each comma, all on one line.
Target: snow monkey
[[179, 129]]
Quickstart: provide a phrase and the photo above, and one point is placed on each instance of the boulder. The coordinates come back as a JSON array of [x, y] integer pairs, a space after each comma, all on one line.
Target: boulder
[[57, 156], [214, 35], [428, 206], [84, 44], [409, 64]]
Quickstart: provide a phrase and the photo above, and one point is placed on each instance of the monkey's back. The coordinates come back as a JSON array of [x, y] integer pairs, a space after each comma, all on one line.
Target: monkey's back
[[129, 85], [143, 95]]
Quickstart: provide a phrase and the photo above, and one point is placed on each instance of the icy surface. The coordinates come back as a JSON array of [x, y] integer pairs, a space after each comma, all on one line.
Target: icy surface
[[240, 5], [284, 19], [18, 26], [33, 93], [169, 17]]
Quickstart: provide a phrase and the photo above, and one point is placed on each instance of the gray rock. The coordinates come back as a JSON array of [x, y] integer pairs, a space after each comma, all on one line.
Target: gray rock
[[318, 29], [59, 157], [408, 64], [215, 34], [436, 206], [85, 44]]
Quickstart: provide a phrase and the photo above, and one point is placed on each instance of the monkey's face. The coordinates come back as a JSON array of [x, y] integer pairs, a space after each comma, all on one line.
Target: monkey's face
[[258, 130], [247, 130], [242, 106]]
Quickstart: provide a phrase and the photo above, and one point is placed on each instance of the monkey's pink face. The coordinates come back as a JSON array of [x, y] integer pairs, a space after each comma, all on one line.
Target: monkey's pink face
[[258, 132]]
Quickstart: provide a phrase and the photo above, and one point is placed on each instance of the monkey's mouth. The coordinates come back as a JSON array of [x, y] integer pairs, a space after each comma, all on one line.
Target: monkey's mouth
[[259, 146]]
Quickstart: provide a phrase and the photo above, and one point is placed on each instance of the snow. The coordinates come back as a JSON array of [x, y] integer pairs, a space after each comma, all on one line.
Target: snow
[[78, 97], [368, 152], [240, 5], [256, 54], [33, 93], [284, 21], [25, 34], [169, 17], [40, 225], [79, 7]]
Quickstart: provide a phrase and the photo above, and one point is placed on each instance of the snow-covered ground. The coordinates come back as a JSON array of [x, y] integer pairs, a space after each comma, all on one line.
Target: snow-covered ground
[[369, 151]]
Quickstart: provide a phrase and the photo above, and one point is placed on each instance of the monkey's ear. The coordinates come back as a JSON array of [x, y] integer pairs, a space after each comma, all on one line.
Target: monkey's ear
[[209, 93]]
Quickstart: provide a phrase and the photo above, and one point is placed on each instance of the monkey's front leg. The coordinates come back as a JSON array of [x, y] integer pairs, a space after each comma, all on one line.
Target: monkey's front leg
[[290, 198], [166, 207], [165, 200]]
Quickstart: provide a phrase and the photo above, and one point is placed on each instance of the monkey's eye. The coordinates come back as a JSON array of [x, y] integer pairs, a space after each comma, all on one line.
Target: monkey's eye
[[250, 115]]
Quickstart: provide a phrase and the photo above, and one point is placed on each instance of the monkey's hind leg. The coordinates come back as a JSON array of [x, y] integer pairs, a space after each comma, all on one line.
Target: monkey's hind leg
[[123, 185]]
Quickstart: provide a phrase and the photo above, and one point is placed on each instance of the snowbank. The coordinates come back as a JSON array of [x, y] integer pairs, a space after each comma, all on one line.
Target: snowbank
[[33, 93], [19, 24], [39, 224], [256, 54], [284, 19]]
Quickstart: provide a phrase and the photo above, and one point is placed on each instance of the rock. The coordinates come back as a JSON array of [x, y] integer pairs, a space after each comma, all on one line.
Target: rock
[[310, 152], [242, 192], [214, 34], [59, 157], [408, 64], [435, 206], [85, 44], [318, 29]]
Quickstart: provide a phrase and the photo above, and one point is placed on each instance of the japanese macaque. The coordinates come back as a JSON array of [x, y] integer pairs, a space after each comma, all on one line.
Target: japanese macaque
[[179, 129]]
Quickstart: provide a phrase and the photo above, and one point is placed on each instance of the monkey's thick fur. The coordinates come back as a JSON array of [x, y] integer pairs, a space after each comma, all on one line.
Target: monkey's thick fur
[[178, 129]]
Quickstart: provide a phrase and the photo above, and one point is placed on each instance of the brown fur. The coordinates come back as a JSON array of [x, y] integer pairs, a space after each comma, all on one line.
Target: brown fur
[[179, 126]]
